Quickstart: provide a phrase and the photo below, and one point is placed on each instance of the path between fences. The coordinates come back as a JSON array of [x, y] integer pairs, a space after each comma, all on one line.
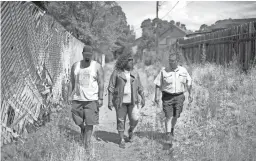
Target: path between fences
[[148, 142]]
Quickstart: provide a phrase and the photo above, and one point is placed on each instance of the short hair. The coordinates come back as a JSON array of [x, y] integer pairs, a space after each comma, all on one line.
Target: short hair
[[173, 56], [87, 49]]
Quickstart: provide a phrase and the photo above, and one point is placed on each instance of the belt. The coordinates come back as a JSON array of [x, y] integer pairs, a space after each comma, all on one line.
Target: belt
[[172, 94], [167, 96]]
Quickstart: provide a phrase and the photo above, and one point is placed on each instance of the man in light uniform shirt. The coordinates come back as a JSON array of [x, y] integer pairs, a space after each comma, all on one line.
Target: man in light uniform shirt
[[172, 82]]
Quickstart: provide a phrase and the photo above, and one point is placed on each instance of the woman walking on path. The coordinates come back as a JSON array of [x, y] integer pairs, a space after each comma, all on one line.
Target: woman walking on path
[[123, 90]]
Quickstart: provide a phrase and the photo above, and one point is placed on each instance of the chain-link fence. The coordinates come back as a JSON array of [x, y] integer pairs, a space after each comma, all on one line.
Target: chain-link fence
[[35, 59]]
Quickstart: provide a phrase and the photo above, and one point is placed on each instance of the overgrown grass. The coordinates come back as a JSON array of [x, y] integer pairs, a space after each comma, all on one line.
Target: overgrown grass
[[54, 142], [224, 113], [221, 122], [219, 125]]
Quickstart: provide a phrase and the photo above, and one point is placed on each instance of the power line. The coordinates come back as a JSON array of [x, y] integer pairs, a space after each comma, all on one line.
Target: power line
[[187, 5], [171, 9], [167, 13]]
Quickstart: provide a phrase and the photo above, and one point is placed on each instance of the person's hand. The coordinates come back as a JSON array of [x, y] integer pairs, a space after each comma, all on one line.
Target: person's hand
[[190, 98], [110, 106], [69, 100], [142, 102], [100, 102], [156, 100]]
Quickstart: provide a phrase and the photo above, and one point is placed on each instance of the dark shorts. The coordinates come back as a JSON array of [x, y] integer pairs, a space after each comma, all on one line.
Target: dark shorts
[[85, 111], [173, 105]]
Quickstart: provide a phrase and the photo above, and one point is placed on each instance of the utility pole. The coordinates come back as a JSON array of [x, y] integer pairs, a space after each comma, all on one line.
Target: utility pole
[[157, 9]]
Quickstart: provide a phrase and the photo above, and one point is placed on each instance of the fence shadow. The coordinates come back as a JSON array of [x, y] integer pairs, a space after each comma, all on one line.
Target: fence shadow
[[71, 133], [99, 135], [154, 135], [107, 136]]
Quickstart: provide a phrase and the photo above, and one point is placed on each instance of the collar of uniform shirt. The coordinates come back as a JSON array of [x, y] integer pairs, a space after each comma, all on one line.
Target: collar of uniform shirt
[[126, 71], [175, 70]]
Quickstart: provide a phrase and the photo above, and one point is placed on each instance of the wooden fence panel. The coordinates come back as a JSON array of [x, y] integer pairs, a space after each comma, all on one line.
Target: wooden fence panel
[[222, 46]]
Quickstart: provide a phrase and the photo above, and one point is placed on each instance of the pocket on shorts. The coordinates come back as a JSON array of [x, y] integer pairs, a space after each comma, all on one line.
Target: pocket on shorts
[[182, 98], [166, 104], [96, 106]]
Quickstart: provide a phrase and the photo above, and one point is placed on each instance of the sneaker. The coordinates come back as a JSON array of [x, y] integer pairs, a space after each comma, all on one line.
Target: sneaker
[[131, 136], [122, 144]]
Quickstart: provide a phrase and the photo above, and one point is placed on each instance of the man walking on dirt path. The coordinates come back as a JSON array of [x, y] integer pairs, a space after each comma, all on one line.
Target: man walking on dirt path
[[172, 82], [87, 84], [124, 87]]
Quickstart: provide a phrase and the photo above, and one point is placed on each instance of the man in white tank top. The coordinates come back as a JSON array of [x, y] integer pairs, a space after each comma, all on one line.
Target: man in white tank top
[[87, 86]]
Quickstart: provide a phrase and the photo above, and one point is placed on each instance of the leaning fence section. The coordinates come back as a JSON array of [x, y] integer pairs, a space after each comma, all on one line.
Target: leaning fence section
[[223, 46], [35, 59]]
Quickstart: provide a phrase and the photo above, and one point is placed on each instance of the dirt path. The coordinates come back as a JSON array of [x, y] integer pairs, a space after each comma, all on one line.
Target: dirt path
[[148, 143]]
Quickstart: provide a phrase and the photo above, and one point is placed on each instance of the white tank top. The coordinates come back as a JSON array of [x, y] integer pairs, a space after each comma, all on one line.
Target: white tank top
[[86, 84]]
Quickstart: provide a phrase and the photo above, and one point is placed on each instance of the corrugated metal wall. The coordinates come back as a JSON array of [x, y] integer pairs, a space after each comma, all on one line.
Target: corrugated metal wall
[[35, 55]]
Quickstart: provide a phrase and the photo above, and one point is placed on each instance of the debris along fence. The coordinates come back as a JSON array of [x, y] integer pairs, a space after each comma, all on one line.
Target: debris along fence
[[222, 46], [35, 59]]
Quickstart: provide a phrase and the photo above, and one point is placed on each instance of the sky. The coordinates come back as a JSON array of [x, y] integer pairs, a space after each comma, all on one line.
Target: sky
[[191, 13]]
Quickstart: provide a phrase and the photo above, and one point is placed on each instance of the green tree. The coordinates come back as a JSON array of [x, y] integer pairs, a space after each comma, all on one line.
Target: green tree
[[94, 22], [203, 27]]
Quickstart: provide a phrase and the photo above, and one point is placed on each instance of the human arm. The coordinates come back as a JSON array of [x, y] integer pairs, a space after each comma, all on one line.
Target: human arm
[[189, 87], [71, 83], [157, 89], [141, 91], [111, 89], [158, 84], [100, 74]]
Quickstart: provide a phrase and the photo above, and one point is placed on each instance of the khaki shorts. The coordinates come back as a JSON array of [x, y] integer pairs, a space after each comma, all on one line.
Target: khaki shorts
[[85, 111]]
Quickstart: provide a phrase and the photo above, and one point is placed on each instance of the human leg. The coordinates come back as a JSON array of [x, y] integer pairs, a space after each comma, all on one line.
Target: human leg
[[91, 118], [178, 108], [121, 113], [169, 112], [78, 116], [133, 114], [87, 135]]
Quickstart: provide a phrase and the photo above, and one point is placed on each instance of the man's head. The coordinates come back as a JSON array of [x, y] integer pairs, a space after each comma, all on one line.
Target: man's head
[[173, 61], [87, 53]]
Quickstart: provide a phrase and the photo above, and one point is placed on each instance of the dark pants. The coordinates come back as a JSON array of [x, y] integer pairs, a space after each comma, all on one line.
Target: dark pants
[[173, 104], [121, 114]]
